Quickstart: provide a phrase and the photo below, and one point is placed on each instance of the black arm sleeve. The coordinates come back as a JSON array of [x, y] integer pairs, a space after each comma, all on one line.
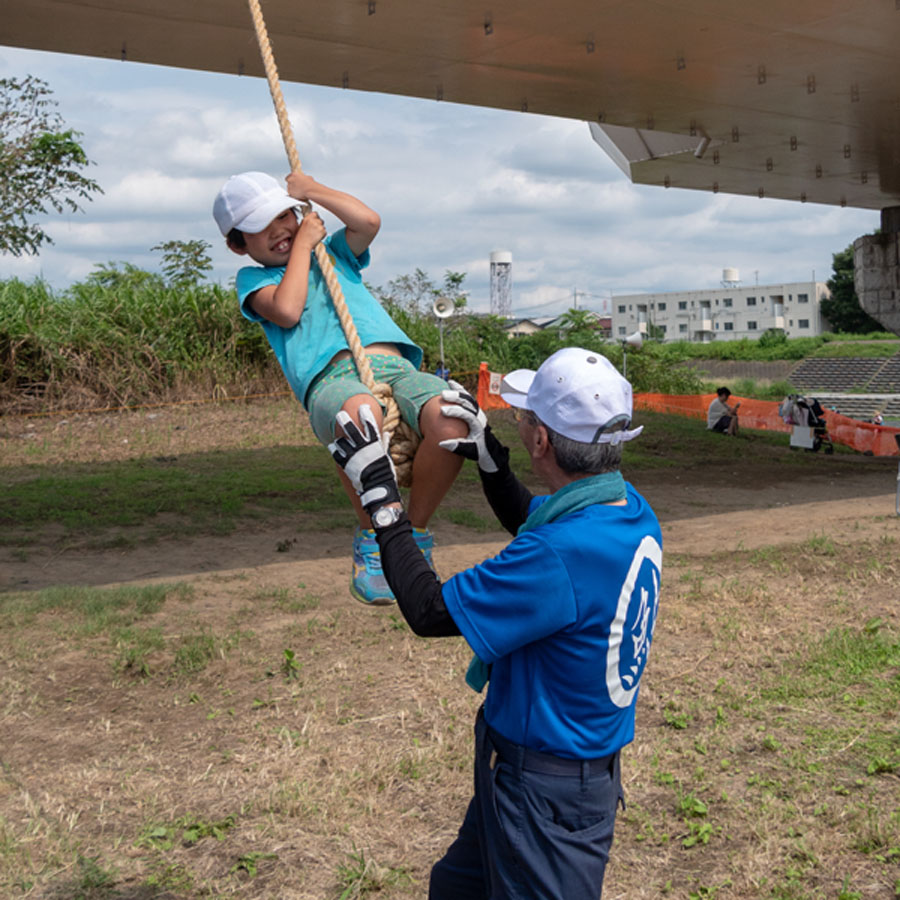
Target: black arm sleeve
[[413, 581], [508, 497]]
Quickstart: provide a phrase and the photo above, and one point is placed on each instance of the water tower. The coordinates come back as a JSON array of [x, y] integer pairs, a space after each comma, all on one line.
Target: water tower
[[501, 283], [731, 278]]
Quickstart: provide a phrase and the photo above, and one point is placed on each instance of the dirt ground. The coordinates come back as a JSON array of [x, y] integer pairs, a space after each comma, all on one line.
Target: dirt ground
[[365, 748]]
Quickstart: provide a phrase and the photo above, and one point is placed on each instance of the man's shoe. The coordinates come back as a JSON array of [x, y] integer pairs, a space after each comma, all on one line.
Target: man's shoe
[[425, 542], [367, 581]]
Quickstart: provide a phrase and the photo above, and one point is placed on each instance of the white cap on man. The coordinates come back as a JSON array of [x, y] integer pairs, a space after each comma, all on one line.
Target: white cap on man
[[249, 202], [577, 393]]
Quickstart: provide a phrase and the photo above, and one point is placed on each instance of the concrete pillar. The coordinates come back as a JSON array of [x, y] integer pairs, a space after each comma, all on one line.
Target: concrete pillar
[[876, 271]]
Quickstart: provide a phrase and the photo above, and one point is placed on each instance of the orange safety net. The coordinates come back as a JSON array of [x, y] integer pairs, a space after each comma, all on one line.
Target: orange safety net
[[763, 415]]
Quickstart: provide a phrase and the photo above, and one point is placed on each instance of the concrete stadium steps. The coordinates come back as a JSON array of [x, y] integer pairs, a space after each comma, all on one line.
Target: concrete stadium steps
[[887, 380], [837, 375]]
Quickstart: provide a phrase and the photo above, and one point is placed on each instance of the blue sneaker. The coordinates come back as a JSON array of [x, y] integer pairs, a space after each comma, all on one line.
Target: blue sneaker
[[425, 542], [367, 581]]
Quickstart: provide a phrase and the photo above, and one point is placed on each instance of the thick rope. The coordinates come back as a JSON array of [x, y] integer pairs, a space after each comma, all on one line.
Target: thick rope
[[403, 438]]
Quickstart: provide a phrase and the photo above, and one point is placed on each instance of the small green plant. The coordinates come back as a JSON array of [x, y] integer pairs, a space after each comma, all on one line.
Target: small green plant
[[676, 719], [249, 863], [846, 893], [699, 833], [692, 806], [188, 829], [196, 829], [171, 877], [289, 665], [360, 877]]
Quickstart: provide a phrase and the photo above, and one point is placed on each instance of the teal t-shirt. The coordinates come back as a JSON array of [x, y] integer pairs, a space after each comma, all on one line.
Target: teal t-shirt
[[304, 350]]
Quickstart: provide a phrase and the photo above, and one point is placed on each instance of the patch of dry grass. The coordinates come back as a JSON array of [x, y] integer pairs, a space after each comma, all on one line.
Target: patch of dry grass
[[765, 765], [167, 430]]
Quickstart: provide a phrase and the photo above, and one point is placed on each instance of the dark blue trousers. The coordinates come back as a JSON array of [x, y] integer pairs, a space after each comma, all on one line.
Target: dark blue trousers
[[538, 828]]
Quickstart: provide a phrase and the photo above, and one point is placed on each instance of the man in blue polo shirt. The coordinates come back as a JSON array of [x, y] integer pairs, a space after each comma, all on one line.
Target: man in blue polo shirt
[[560, 621]]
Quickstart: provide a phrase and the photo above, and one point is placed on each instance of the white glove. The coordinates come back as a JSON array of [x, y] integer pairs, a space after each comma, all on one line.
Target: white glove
[[480, 443], [364, 456]]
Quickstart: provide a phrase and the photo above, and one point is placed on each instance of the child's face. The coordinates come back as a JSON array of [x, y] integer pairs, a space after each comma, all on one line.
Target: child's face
[[272, 246]]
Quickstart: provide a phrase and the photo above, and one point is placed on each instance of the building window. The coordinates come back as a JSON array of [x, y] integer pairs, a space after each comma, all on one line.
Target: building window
[[803, 323], [682, 304], [622, 329], [717, 326], [726, 302], [682, 327], [751, 326], [751, 301], [622, 308], [729, 326], [661, 307], [661, 329], [803, 298]]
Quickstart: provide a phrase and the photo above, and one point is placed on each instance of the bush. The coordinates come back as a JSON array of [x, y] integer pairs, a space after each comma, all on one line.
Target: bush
[[128, 340]]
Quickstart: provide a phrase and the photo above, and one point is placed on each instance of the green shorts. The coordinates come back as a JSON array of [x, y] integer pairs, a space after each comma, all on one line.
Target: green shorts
[[337, 383]]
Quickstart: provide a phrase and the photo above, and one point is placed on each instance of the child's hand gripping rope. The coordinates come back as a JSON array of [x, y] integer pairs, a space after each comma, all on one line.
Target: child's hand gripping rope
[[480, 444], [364, 456]]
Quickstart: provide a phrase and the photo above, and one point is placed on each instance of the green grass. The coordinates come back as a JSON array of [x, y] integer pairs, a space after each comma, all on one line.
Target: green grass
[[199, 493], [120, 503], [92, 610]]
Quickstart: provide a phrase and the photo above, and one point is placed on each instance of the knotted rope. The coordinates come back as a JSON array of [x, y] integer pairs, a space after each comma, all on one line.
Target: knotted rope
[[404, 439]]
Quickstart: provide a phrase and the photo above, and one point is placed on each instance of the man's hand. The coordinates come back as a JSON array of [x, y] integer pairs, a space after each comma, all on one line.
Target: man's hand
[[480, 443], [363, 456]]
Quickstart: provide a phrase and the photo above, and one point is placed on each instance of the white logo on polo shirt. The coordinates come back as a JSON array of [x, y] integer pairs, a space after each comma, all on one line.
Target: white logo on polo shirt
[[625, 658]]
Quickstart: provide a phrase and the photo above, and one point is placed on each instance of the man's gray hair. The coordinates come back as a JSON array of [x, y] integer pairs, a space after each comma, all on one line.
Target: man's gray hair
[[577, 458]]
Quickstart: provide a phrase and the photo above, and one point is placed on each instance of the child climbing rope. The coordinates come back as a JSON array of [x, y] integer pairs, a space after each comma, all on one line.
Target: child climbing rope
[[286, 293]]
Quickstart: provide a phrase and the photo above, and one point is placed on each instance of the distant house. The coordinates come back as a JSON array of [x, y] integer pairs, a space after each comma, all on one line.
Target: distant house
[[518, 327]]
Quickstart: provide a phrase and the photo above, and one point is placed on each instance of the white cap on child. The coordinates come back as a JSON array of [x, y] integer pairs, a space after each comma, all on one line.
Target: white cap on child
[[249, 202]]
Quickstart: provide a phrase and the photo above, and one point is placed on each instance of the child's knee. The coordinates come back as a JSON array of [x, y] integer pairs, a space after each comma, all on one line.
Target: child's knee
[[434, 425], [352, 406]]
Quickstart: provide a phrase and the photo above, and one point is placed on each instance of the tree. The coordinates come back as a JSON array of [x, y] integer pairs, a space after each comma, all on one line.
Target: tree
[[417, 292], [184, 262], [122, 276], [40, 164], [842, 309]]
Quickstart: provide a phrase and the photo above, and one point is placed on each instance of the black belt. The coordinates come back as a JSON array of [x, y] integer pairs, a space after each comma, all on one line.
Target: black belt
[[546, 763]]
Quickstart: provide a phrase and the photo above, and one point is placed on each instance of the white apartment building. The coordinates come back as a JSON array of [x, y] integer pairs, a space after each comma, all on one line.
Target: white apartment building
[[725, 313]]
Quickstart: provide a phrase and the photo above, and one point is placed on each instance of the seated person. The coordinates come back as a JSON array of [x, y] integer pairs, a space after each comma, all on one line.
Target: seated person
[[721, 417]]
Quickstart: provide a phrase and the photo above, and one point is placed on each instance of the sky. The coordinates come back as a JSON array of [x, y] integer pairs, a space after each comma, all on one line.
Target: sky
[[452, 183]]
